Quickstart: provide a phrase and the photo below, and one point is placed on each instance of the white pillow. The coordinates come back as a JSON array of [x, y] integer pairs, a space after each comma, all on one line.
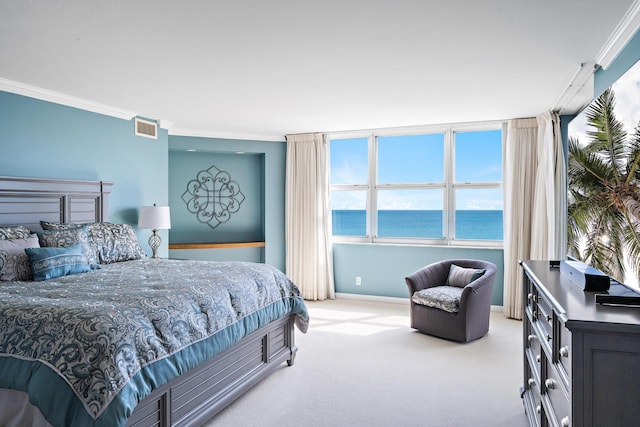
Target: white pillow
[[14, 262]]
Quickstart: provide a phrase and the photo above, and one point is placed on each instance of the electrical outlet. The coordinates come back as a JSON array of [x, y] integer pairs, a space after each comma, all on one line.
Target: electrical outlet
[[358, 280]]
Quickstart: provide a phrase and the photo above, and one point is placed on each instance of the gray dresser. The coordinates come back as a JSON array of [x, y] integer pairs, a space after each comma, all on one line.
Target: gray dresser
[[581, 359]]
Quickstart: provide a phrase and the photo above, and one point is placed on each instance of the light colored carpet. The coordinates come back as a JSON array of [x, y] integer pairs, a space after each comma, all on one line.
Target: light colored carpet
[[361, 364]]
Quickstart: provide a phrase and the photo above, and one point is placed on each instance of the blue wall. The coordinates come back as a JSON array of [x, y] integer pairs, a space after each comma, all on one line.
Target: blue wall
[[384, 267], [245, 225], [603, 79], [46, 140], [262, 165]]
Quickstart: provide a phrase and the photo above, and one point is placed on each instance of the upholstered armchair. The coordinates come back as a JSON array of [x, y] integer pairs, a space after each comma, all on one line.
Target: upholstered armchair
[[452, 302]]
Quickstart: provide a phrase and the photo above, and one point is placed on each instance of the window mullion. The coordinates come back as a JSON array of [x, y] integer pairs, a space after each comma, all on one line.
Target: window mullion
[[372, 194], [449, 199], [477, 184]]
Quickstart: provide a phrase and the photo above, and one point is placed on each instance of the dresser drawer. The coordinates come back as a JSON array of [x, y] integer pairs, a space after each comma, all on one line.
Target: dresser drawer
[[531, 294], [563, 348], [545, 318], [555, 396], [532, 349], [532, 397]]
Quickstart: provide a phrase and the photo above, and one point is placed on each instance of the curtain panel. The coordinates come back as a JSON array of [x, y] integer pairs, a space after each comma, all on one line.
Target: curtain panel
[[309, 256], [535, 200], [548, 230]]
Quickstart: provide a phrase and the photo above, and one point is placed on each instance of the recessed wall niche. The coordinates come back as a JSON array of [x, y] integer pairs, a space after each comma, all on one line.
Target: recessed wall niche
[[244, 225]]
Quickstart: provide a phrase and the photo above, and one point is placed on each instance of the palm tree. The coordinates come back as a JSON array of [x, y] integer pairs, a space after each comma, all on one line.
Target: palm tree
[[604, 192]]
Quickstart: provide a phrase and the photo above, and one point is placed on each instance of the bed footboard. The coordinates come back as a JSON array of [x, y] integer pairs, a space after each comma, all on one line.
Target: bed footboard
[[195, 397]]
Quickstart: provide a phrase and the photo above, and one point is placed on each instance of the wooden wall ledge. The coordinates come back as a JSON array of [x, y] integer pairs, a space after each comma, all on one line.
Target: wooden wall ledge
[[216, 245]]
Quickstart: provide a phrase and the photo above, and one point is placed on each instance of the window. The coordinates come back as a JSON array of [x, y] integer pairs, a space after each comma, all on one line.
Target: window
[[440, 186]]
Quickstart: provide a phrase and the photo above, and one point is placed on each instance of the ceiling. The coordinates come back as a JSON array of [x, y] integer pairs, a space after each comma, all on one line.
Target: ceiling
[[262, 69]]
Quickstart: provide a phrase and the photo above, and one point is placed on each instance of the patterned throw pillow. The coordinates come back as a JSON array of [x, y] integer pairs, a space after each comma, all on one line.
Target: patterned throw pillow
[[461, 277], [70, 236], [111, 242], [14, 262], [117, 242], [48, 263], [11, 233]]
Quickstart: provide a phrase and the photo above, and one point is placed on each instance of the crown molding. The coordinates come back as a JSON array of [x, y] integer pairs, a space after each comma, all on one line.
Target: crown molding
[[575, 97], [165, 124], [625, 30], [223, 135], [63, 99]]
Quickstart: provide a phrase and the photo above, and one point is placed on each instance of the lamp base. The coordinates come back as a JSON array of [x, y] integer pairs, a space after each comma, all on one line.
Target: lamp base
[[154, 243]]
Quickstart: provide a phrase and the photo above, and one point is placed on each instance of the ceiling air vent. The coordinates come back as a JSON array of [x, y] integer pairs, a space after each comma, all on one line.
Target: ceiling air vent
[[146, 128]]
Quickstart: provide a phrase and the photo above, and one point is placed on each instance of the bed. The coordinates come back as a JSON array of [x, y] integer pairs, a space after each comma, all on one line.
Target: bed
[[127, 340]]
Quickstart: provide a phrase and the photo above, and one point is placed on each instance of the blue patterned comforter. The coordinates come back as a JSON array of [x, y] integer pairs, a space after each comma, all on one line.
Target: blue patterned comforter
[[88, 347]]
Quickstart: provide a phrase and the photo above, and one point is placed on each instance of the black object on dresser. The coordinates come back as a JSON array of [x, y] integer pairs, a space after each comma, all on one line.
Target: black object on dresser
[[581, 359]]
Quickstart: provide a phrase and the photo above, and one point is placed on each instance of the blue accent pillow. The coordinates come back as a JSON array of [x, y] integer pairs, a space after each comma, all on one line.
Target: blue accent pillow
[[61, 238], [48, 263]]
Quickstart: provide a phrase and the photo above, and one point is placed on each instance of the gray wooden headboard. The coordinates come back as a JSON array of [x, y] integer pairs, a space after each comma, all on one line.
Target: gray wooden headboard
[[27, 201]]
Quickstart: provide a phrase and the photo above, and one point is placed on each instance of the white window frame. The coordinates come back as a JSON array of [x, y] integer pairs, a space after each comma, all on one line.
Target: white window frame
[[449, 186]]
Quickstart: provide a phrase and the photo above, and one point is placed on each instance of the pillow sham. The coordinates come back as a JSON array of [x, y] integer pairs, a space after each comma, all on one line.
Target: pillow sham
[[14, 262], [46, 225], [116, 242], [49, 263], [12, 233], [67, 237], [56, 226], [461, 277], [111, 242]]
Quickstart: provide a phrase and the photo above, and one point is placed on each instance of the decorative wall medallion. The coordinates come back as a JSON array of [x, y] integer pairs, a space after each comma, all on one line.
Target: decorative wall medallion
[[213, 196]]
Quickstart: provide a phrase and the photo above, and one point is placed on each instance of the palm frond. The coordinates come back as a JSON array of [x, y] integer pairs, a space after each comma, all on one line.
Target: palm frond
[[587, 167], [633, 157], [607, 136]]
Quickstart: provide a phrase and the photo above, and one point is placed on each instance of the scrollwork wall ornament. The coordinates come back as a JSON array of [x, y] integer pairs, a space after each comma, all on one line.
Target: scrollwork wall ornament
[[213, 196]]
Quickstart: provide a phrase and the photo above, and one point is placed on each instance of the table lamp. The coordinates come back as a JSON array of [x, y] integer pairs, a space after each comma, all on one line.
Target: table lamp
[[154, 218]]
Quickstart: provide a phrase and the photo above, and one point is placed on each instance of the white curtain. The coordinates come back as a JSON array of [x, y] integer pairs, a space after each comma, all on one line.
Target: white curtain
[[309, 255], [549, 238], [535, 200]]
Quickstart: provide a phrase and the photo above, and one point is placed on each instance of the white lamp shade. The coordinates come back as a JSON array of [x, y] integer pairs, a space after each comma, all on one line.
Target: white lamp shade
[[154, 218]]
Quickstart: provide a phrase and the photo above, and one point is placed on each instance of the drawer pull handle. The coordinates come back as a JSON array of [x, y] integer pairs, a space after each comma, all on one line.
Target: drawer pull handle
[[548, 318], [548, 337], [538, 409], [565, 422], [564, 351], [531, 338], [549, 383], [535, 314], [538, 358], [531, 382]]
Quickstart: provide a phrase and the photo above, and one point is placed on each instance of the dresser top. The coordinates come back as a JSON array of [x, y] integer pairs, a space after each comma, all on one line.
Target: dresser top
[[578, 307]]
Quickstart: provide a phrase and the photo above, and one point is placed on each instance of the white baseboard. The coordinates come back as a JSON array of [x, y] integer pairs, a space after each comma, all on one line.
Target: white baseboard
[[391, 300]]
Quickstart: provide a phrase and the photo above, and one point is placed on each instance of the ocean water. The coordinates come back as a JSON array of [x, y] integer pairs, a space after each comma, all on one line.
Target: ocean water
[[470, 224]]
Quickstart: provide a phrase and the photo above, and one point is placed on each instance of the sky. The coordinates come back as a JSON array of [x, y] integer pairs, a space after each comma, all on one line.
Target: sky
[[627, 108], [412, 159]]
